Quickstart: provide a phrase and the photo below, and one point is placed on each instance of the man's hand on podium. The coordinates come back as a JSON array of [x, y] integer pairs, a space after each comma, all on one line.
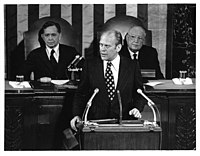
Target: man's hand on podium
[[135, 112], [74, 121]]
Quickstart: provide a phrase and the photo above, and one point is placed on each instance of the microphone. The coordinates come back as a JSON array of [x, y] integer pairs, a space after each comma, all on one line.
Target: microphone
[[150, 102], [120, 107], [74, 60], [79, 59], [88, 106], [92, 97]]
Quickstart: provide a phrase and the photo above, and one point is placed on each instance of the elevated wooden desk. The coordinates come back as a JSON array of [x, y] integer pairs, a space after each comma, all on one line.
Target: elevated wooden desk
[[34, 118], [121, 137]]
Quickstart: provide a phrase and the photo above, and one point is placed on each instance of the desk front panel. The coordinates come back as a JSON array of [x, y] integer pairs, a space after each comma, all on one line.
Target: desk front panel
[[182, 122], [35, 122], [121, 139], [20, 123]]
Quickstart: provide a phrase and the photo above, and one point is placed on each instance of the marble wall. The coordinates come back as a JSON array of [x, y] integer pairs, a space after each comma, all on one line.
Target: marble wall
[[157, 23]]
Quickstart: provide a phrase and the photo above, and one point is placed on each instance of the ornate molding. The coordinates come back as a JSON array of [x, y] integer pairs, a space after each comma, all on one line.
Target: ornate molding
[[13, 128], [186, 127]]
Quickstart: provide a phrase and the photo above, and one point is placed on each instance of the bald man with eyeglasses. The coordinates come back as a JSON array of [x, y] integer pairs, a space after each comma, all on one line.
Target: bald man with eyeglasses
[[135, 49]]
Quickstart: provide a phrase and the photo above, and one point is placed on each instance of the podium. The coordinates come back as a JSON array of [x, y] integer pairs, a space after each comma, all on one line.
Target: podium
[[128, 136]]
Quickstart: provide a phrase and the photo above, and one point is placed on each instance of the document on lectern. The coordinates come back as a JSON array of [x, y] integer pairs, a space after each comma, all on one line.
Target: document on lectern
[[104, 121], [114, 122]]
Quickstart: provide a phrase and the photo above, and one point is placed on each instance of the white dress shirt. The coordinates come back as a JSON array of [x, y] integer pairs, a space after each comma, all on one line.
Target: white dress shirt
[[131, 54], [56, 54], [114, 68]]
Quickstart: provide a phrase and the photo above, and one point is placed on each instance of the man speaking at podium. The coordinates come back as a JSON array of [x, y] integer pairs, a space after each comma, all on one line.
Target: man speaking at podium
[[109, 73]]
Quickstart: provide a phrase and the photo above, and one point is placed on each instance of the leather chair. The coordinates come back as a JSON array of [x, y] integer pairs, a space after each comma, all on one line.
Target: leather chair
[[32, 38], [121, 24], [124, 23]]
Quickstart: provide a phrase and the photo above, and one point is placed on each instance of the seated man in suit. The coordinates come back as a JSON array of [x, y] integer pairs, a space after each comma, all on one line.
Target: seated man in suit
[[49, 61], [109, 72], [146, 55]]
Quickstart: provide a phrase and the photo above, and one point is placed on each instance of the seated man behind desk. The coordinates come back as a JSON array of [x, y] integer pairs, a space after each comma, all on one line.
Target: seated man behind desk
[[147, 56], [111, 68], [49, 61]]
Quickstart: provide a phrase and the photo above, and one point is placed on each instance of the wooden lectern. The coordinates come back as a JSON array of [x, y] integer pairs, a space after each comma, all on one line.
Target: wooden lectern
[[121, 137]]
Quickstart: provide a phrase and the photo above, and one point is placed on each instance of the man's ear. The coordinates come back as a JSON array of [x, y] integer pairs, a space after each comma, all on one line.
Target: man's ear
[[42, 36], [126, 37], [119, 47], [60, 35]]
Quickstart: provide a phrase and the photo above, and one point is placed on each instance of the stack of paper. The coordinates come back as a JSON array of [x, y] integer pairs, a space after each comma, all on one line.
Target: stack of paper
[[152, 84], [15, 84], [178, 81]]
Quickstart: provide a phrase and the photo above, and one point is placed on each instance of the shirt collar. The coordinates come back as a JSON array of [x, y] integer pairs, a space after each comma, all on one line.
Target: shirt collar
[[56, 49], [131, 53], [115, 63]]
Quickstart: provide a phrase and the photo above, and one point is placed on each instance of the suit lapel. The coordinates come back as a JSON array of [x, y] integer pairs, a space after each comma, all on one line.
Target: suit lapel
[[122, 77], [61, 57], [99, 73], [45, 59], [142, 55], [126, 52], [102, 82]]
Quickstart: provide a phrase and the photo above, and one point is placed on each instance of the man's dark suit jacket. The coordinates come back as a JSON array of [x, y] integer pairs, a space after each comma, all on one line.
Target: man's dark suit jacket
[[148, 59], [39, 63], [92, 77]]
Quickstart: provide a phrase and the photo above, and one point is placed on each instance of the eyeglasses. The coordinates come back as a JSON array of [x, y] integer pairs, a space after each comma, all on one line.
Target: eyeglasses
[[134, 37]]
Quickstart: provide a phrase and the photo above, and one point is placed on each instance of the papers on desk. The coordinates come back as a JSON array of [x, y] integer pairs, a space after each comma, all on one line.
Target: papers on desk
[[59, 82], [15, 84], [178, 81], [104, 121], [154, 83]]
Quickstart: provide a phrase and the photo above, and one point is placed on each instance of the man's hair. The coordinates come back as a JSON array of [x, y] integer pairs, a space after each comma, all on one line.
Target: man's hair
[[141, 27], [50, 23], [116, 33]]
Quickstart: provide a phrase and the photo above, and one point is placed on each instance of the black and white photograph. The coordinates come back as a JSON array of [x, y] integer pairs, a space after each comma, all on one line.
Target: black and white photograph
[[93, 76]]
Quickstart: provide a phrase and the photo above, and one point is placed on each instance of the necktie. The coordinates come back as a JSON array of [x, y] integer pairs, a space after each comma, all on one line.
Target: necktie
[[134, 56], [52, 59], [110, 81]]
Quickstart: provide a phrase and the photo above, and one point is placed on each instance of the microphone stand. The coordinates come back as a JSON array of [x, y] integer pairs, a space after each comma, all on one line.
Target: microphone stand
[[73, 80], [151, 105], [120, 107], [84, 117], [73, 68], [85, 113], [154, 123]]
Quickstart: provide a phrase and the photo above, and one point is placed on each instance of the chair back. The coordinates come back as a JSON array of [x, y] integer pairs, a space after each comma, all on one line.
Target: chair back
[[124, 23]]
